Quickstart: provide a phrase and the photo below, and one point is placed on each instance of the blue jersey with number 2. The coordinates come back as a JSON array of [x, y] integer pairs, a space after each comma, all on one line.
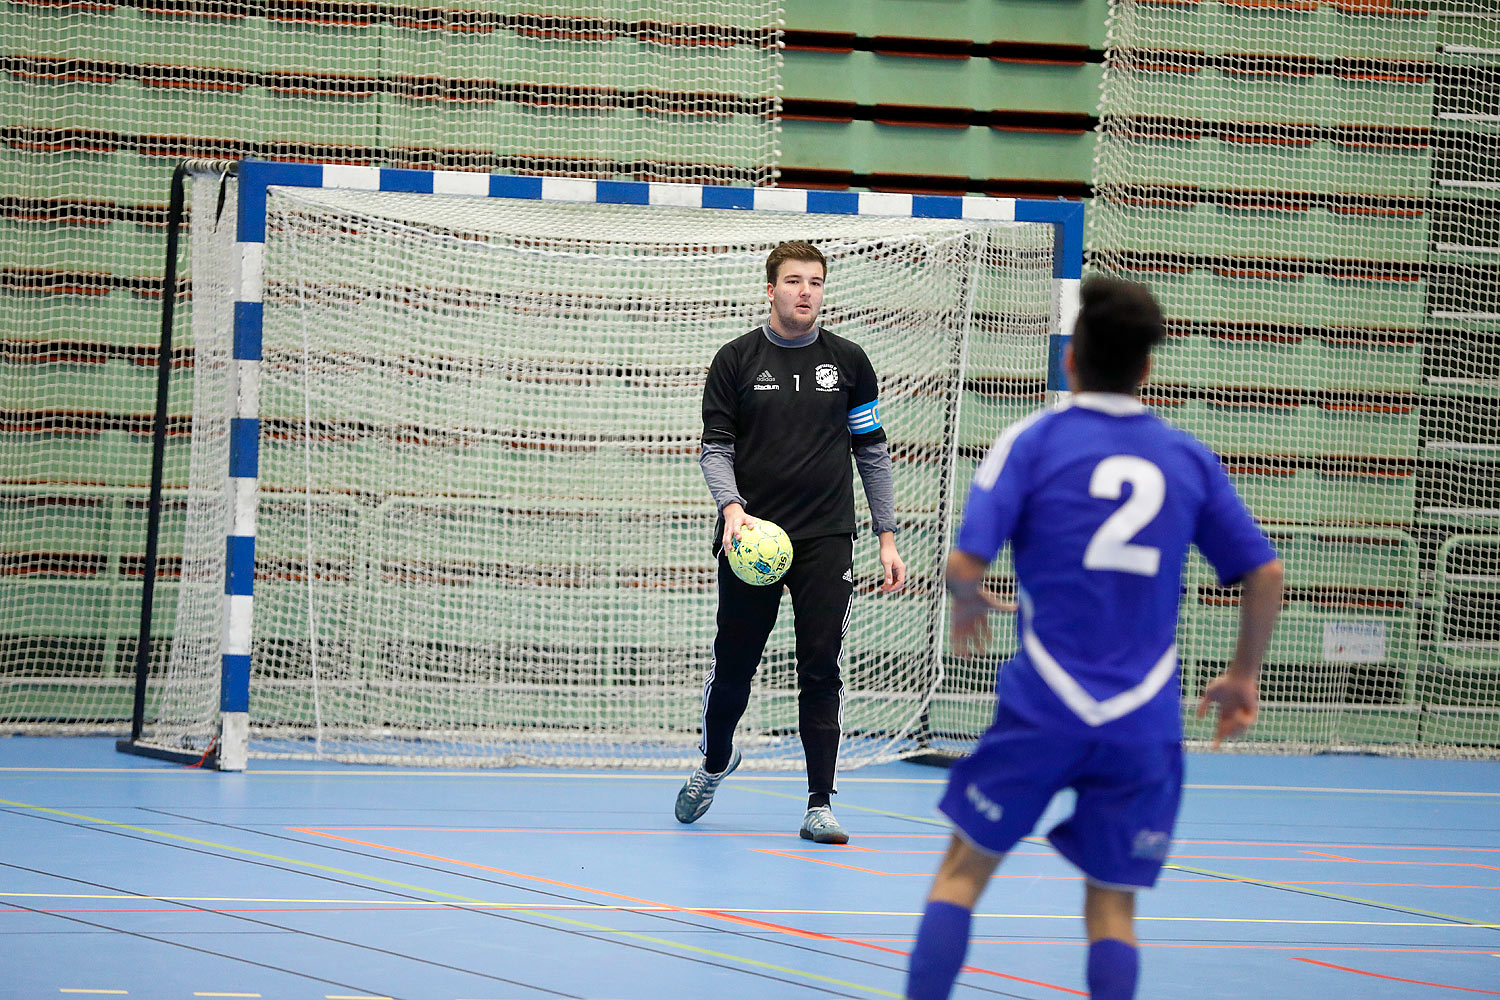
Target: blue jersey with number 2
[[1100, 500]]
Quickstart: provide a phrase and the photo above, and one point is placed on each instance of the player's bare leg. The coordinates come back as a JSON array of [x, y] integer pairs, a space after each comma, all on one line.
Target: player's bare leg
[[964, 872], [943, 936]]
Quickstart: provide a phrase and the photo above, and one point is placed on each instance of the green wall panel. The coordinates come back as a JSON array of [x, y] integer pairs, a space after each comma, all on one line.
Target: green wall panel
[[982, 84], [1072, 22], [867, 147]]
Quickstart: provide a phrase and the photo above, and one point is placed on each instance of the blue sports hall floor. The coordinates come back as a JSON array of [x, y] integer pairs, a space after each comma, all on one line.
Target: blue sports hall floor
[[1292, 878]]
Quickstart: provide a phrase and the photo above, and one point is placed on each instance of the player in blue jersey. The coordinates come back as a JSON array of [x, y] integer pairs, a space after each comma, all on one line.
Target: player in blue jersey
[[1099, 501], [785, 407]]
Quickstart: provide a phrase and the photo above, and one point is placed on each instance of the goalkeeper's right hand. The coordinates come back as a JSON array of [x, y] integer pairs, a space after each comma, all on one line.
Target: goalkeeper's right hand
[[735, 518]]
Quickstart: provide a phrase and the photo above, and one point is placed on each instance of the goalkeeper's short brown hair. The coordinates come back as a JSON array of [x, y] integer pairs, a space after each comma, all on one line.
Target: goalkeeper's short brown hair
[[793, 250]]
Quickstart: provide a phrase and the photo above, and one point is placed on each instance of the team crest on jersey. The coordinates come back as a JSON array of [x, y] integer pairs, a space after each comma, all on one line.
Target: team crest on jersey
[[827, 377], [1151, 844]]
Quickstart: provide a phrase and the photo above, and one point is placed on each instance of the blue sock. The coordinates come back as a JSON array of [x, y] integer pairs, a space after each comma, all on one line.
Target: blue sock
[[942, 941], [1113, 968]]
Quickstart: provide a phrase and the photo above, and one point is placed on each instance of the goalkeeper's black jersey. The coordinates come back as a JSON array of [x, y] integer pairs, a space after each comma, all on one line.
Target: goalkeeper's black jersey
[[794, 416]]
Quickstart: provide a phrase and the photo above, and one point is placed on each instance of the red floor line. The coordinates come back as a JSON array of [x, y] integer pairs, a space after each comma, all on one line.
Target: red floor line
[[1315, 856], [1345, 847], [648, 907], [1014, 853], [926, 836], [780, 928], [1223, 946], [881, 836], [270, 909], [1397, 979], [1370, 861], [817, 936], [1004, 875], [571, 833], [1385, 885], [822, 861]]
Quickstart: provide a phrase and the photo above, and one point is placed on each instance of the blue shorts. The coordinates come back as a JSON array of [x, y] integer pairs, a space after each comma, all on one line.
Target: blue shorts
[[1128, 794]]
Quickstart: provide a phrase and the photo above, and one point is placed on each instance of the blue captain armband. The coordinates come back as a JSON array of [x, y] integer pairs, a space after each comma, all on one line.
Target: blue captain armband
[[866, 418]]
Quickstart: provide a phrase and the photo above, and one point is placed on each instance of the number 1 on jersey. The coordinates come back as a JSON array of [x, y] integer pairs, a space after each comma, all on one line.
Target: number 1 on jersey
[[1111, 547]]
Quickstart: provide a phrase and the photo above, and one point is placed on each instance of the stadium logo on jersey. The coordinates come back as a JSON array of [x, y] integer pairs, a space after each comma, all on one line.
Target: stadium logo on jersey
[[982, 803], [1151, 844], [827, 377], [766, 381]]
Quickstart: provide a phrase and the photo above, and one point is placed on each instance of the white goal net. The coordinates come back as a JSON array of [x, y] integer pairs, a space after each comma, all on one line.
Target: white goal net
[[482, 535]]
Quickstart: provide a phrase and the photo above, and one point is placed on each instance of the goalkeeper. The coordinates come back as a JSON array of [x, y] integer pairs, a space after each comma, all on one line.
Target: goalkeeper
[[783, 408], [1099, 501]]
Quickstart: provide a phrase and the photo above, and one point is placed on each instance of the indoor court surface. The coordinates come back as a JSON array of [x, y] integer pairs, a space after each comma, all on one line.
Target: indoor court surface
[[1292, 878]]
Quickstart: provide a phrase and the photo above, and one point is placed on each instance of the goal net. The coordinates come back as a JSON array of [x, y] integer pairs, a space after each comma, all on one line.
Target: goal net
[[1312, 189], [480, 532]]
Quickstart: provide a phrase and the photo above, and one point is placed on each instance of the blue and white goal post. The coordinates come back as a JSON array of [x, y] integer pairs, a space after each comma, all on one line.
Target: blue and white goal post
[[445, 504]]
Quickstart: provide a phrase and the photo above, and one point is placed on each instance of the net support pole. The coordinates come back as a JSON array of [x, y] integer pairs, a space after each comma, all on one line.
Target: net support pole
[[175, 211]]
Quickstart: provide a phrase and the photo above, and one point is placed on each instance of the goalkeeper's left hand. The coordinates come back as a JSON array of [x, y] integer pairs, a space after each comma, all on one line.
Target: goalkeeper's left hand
[[891, 562]]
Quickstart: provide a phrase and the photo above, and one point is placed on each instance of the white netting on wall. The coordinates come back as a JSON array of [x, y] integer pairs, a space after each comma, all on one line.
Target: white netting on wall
[[98, 104], [1311, 189], [482, 532]]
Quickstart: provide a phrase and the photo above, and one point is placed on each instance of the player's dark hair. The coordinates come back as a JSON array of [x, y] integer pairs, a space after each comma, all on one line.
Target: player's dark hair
[[1118, 324], [793, 250]]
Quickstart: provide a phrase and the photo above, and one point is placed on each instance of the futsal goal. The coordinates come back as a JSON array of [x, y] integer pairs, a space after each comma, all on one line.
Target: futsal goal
[[445, 504]]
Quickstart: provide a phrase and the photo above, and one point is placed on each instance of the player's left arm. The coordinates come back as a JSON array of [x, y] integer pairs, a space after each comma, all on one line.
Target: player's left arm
[[892, 563], [872, 456], [874, 463], [1234, 544]]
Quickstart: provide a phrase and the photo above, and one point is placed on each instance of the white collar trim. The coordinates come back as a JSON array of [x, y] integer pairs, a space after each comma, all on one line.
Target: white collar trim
[[1116, 404]]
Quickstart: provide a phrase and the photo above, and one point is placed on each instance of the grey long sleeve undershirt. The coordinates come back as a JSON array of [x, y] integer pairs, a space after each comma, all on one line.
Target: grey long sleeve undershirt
[[872, 460]]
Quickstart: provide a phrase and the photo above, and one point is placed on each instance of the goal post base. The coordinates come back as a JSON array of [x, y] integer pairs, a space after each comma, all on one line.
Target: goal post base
[[936, 758], [207, 759]]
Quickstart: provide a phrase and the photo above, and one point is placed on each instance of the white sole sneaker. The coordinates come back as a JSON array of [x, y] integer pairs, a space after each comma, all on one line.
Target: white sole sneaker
[[819, 826], [697, 793]]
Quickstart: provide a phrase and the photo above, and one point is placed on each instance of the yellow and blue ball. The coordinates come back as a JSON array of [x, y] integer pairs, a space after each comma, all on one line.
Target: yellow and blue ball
[[761, 555]]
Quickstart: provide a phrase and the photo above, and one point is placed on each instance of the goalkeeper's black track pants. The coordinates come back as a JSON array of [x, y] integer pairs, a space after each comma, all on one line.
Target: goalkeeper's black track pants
[[821, 584]]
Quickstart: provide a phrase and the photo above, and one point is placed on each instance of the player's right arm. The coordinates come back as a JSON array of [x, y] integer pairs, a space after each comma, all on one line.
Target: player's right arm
[[1235, 691], [994, 503], [716, 459], [972, 603]]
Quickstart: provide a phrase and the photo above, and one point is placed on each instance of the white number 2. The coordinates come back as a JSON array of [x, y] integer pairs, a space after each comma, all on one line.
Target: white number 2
[[1111, 548]]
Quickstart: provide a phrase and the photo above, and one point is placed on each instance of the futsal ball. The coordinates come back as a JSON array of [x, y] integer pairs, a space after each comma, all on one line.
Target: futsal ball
[[761, 555]]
